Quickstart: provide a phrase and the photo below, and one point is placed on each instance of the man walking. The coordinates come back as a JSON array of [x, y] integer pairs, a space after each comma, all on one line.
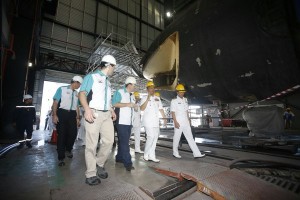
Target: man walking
[[152, 106], [124, 104], [66, 117], [179, 109], [95, 98], [24, 118]]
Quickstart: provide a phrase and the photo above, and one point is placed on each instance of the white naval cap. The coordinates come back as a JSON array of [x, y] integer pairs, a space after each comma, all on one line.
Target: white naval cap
[[27, 96]]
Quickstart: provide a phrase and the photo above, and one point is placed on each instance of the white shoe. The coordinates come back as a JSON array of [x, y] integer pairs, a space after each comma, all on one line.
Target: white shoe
[[177, 156], [154, 160], [146, 158], [200, 156], [141, 152]]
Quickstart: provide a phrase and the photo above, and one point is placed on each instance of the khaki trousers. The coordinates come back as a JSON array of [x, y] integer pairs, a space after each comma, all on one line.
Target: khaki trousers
[[102, 126]]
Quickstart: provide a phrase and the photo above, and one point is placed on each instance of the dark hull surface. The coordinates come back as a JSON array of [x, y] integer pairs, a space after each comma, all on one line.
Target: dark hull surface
[[230, 50]]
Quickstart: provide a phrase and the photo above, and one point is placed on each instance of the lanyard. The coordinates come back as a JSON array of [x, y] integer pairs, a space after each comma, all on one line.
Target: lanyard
[[72, 100]]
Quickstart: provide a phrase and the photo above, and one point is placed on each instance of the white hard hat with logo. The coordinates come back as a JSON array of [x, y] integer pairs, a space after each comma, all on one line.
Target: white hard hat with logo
[[27, 96], [109, 59], [77, 78], [130, 79]]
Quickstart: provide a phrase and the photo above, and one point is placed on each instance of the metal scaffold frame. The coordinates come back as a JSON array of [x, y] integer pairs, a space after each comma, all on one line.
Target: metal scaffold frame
[[126, 54]]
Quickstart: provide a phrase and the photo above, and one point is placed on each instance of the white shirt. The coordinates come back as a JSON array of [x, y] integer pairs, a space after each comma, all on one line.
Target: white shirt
[[151, 112], [67, 98], [180, 107], [136, 120], [124, 114], [98, 90]]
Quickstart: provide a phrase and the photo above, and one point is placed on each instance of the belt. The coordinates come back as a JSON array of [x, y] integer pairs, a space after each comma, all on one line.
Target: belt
[[100, 110], [66, 110]]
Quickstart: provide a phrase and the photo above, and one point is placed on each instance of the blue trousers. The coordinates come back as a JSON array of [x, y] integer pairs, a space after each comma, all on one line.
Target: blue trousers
[[123, 155]]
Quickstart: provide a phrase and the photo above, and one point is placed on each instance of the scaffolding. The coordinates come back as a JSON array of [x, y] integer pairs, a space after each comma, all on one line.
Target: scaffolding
[[126, 54]]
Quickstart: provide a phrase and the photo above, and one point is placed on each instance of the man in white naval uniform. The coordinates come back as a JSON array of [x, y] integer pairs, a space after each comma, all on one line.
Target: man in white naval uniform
[[179, 109], [152, 106], [136, 123]]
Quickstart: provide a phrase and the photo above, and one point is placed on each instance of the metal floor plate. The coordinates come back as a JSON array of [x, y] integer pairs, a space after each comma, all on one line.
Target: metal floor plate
[[222, 183]]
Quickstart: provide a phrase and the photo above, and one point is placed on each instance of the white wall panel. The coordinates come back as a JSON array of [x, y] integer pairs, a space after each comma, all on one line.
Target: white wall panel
[[101, 26], [131, 7], [90, 7], [112, 16], [144, 30], [74, 37], [114, 2], [46, 28], [137, 10], [103, 11], [88, 22], [87, 40], [63, 12], [131, 24], [123, 5], [76, 18], [67, 2], [60, 32], [150, 33], [122, 20], [79, 4]]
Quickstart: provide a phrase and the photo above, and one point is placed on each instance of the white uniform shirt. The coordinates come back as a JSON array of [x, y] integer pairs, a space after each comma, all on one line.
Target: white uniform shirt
[[180, 107], [124, 114], [98, 90], [67, 98], [151, 113], [136, 121]]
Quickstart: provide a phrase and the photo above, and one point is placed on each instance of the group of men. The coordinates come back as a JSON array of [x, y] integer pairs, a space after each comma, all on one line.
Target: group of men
[[101, 109]]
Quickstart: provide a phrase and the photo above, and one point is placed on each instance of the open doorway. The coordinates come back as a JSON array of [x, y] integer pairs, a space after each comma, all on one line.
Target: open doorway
[[47, 99]]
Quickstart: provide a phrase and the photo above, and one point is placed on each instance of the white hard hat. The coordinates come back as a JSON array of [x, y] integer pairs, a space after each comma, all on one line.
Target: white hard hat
[[27, 96], [109, 59], [130, 79], [77, 78]]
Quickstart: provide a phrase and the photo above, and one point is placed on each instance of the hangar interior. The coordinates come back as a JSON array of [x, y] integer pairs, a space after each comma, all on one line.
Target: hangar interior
[[51, 41]]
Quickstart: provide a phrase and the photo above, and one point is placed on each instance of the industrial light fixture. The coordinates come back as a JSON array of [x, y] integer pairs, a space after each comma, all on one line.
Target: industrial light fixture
[[168, 14], [29, 64]]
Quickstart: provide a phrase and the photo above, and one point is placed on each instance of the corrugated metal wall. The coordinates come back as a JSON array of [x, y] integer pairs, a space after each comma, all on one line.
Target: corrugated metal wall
[[75, 19]]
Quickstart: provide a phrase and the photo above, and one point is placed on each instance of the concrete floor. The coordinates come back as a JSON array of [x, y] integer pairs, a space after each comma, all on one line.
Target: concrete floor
[[34, 173]]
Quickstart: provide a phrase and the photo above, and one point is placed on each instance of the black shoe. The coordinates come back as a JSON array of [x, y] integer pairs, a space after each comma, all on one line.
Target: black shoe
[[29, 145], [69, 154], [61, 163], [93, 180], [101, 173], [129, 168], [119, 161], [21, 145]]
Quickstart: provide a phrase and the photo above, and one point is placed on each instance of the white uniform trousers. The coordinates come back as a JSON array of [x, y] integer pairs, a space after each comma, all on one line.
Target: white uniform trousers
[[152, 137], [137, 138], [187, 132]]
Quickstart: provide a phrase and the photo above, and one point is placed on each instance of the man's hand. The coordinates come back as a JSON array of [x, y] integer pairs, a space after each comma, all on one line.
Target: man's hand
[[113, 115], [165, 122], [131, 105], [78, 122], [89, 115], [55, 119], [176, 124]]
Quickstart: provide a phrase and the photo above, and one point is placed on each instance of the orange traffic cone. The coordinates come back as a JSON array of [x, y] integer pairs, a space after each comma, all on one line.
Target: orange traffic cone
[[54, 137]]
